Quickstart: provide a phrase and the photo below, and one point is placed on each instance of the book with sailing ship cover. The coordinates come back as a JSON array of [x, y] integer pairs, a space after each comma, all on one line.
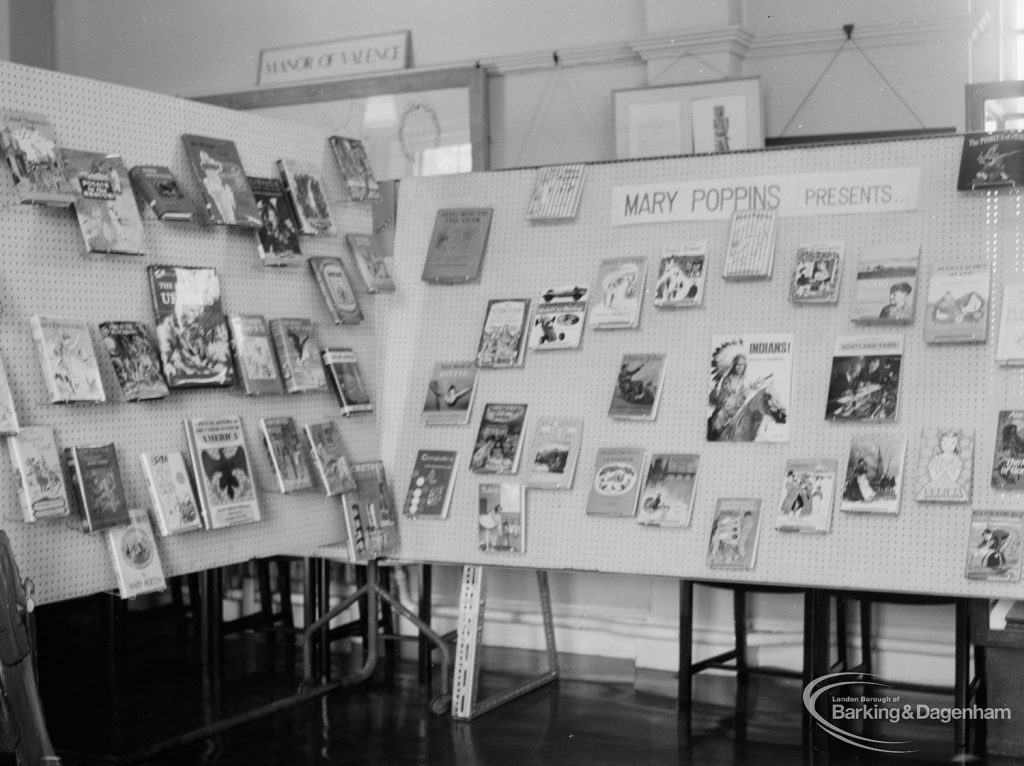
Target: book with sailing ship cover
[[327, 452], [430, 488], [816, 273], [681, 272], [558, 319], [42, 492], [287, 453], [135, 360], [945, 465], [95, 480], [749, 387], [170, 488], [957, 304], [874, 474], [503, 337], [449, 399], [554, 453], [865, 380], [501, 517], [370, 516], [307, 195], [615, 486], [373, 268], [277, 238], [638, 387], [1008, 456], [994, 546], [350, 154], [29, 144], [255, 360], [618, 293], [336, 288], [108, 215], [735, 530], [298, 354], [499, 440], [666, 497], [220, 463], [751, 249], [556, 192], [346, 378], [456, 249], [67, 359], [159, 192], [1010, 343], [808, 494], [135, 556], [885, 289], [991, 160], [228, 200]]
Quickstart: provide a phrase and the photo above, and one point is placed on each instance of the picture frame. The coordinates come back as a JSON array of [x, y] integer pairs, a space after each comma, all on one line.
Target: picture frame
[[694, 118], [419, 122], [993, 106]]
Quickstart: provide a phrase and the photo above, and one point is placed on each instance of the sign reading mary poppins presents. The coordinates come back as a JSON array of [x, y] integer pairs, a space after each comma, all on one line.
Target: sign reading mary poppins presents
[[331, 60], [885, 190]]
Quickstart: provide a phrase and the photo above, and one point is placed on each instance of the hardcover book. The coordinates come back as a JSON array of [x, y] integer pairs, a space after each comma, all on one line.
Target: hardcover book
[[808, 494], [346, 378], [618, 293], [67, 359], [1008, 457], [220, 463], [327, 451], [554, 452], [170, 489], [874, 474], [108, 215], [218, 170], [681, 272], [749, 387], [287, 453], [615, 487], [638, 387], [865, 380], [456, 250], [735, 531], [816, 274], [277, 238], [1010, 343], [503, 337], [29, 144], [499, 440], [501, 517], [957, 306], [430, 487], [298, 354], [191, 331], [135, 360], [95, 478], [354, 165], [135, 557], [9, 425], [991, 160], [255, 361], [668, 489], [558, 319], [945, 465], [556, 193], [449, 399], [371, 264], [994, 546], [336, 288], [370, 517], [42, 492], [751, 249], [159, 191], [307, 195], [886, 286]]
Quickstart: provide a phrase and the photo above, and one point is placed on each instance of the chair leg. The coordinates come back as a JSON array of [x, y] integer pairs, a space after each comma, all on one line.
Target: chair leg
[[739, 616], [865, 636], [842, 658], [685, 693], [962, 680]]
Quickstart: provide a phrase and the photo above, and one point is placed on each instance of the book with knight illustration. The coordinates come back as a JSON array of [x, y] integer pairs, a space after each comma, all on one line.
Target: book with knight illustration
[[945, 465], [666, 497], [808, 494], [221, 465], [874, 474], [503, 337], [749, 387], [67, 359]]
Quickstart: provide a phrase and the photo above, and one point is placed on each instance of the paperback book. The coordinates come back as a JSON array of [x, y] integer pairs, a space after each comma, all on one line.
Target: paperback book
[[957, 306], [67, 359], [29, 144], [816, 274], [1010, 343], [135, 556], [865, 380], [618, 293], [336, 288], [170, 490], [255, 362], [991, 160], [666, 497], [994, 546], [735, 530], [95, 480], [42, 492], [874, 474], [751, 249], [108, 215], [681, 272], [449, 399], [330, 465], [9, 425], [135, 360], [499, 440], [298, 354], [615, 487], [220, 463], [558, 319], [370, 517], [430, 487], [554, 453], [885, 289], [945, 465], [638, 386], [159, 192], [346, 378], [503, 337], [1008, 457], [277, 238], [228, 200], [808, 493], [556, 193], [287, 453], [455, 253], [371, 264], [749, 387], [501, 518], [307, 195], [354, 165]]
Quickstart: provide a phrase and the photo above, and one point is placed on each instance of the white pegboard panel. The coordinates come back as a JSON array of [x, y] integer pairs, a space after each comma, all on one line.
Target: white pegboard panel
[[43, 273], [922, 549]]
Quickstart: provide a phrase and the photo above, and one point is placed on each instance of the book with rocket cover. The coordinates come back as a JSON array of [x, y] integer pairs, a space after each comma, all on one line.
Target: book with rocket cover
[[749, 387], [735, 531], [638, 385], [221, 465], [170, 488], [1008, 457], [336, 288], [557, 191], [159, 191], [991, 160], [994, 546], [499, 440], [29, 144], [228, 200], [372, 266], [615, 486], [945, 465], [42, 491], [808, 495], [751, 248], [277, 238], [371, 519], [135, 556], [958, 304], [108, 215], [666, 496], [501, 517], [618, 293], [327, 451], [816, 273], [307, 195], [430, 488], [503, 337], [558, 319], [135, 360], [347, 381], [865, 380], [885, 289], [1010, 341], [95, 479], [287, 452], [9, 425], [874, 474], [354, 165], [456, 250], [554, 453], [255, 361], [67, 359], [298, 354], [681, 275], [449, 399]]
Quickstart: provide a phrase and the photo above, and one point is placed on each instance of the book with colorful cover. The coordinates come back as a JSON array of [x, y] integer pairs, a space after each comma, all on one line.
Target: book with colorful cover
[[108, 215], [159, 191], [958, 304], [255, 361], [372, 266], [135, 360], [750, 385], [554, 453], [994, 546], [808, 495], [1010, 341], [615, 486], [449, 399], [750, 252], [9, 425], [991, 160], [327, 452], [223, 471], [503, 337], [95, 479], [638, 386], [455, 253], [298, 354], [371, 518], [618, 293], [336, 288], [945, 465], [874, 474], [1008, 457], [557, 191], [885, 289], [501, 517], [430, 487], [307, 195], [681, 275], [355, 168], [341, 366], [67, 359], [558, 319], [228, 200], [29, 144], [42, 491], [499, 440], [287, 452], [865, 380], [735, 530], [170, 488], [135, 556], [816, 273], [277, 238], [668, 489]]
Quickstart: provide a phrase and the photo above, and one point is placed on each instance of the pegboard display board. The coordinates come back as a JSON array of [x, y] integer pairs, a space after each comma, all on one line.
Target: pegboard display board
[[44, 273], [922, 549]]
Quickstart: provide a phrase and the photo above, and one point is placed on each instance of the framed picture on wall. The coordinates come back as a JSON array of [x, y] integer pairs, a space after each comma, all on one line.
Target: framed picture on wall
[[695, 118]]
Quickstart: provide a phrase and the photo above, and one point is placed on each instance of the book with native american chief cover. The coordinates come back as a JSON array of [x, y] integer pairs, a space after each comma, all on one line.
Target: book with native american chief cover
[[749, 387]]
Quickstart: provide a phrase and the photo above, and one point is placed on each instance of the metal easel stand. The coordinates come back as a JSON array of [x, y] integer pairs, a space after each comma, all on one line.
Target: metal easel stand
[[467, 653]]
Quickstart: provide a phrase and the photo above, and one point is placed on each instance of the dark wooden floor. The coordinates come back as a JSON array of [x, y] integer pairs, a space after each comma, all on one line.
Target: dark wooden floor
[[100, 707]]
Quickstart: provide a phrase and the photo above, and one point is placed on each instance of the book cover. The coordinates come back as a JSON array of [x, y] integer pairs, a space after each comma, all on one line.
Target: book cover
[[1010, 343], [499, 440], [255, 361], [42, 492], [751, 249], [220, 463], [135, 556], [191, 330], [668, 489], [298, 354], [29, 144], [957, 304], [1008, 457], [735, 530], [158, 189], [385, 216], [749, 387], [370, 517], [327, 452], [503, 337], [808, 494], [501, 518], [449, 399], [287, 452], [945, 465], [816, 273], [455, 253], [864, 382], [218, 170], [9, 425], [557, 191], [554, 453], [307, 195], [277, 238], [170, 489], [135, 360], [346, 378], [991, 160], [336, 288], [638, 385], [67, 359], [95, 477], [681, 271], [108, 215], [885, 289], [615, 487], [430, 487], [356, 172], [874, 474], [994, 546], [618, 293], [558, 319], [373, 269]]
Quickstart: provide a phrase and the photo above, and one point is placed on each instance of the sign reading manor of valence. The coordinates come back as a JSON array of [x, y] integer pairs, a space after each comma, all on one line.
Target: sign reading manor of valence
[[331, 60], [884, 190]]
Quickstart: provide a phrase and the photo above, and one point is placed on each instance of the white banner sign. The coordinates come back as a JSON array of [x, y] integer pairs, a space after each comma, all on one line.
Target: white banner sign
[[859, 191], [329, 61]]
